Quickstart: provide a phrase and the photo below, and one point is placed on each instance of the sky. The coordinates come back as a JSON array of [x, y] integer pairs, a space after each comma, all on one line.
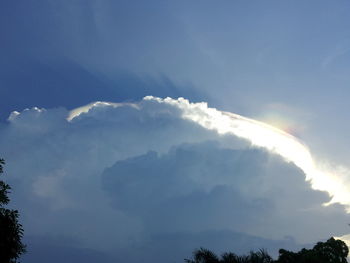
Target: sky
[[248, 159]]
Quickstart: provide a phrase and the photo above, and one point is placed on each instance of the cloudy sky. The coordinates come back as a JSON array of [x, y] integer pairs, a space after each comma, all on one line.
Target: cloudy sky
[[248, 159]]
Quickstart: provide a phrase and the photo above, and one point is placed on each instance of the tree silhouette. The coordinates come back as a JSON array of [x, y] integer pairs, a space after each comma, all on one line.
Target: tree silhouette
[[11, 231], [331, 251], [203, 255]]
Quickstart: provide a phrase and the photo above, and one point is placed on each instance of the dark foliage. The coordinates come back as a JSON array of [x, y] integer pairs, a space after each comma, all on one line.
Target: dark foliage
[[203, 255], [11, 231], [331, 251]]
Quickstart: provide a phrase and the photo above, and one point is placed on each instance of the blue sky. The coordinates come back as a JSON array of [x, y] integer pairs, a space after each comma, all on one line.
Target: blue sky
[[239, 56], [281, 62]]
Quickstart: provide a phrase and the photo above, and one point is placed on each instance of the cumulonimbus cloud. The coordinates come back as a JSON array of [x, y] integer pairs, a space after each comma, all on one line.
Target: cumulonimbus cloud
[[115, 176], [330, 179]]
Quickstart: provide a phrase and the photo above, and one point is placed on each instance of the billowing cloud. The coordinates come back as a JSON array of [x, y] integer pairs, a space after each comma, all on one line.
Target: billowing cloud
[[248, 190], [131, 181]]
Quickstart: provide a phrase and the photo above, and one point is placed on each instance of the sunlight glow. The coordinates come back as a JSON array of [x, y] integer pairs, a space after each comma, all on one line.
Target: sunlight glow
[[323, 176], [333, 180]]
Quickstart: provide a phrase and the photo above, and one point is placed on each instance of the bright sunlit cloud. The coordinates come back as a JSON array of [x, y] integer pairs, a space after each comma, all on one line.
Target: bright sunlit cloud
[[84, 109], [131, 172], [323, 176]]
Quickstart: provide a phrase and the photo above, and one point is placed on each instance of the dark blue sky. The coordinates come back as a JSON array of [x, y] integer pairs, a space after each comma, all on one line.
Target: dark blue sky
[[239, 56]]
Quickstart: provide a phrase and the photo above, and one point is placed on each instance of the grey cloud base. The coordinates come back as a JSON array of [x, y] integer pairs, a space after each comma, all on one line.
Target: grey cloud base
[[139, 182], [199, 187]]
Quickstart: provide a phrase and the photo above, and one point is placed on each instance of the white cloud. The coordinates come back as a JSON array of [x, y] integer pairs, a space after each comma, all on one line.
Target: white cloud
[[116, 177], [268, 137]]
